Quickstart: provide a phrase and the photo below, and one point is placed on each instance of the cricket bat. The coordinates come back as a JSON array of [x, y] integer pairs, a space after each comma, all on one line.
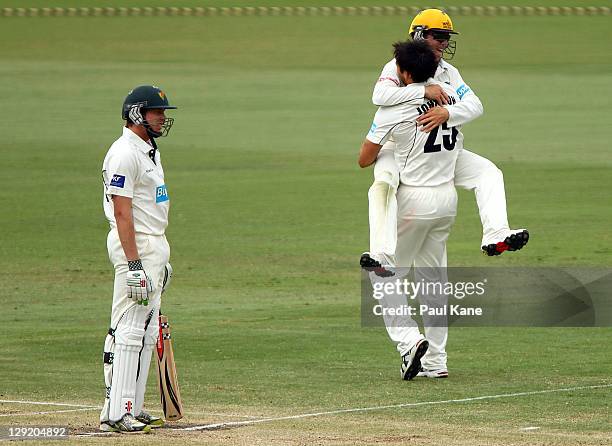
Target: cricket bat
[[171, 402]]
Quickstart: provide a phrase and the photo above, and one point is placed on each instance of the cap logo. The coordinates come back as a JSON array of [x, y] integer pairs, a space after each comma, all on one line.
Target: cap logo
[[161, 94], [447, 25]]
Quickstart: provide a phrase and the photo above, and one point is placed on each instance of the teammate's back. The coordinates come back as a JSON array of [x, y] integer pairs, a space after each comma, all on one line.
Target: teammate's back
[[424, 159]]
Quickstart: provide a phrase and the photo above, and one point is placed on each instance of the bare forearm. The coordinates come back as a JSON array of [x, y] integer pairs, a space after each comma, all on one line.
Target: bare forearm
[[125, 226], [127, 236], [368, 153]]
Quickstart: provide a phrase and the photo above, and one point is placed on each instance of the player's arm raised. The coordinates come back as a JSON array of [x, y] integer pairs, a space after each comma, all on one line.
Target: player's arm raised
[[469, 106], [389, 91], [463, 111]]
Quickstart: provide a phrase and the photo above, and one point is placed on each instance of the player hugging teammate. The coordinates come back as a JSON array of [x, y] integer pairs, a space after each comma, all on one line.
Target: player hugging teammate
[[416, 144]]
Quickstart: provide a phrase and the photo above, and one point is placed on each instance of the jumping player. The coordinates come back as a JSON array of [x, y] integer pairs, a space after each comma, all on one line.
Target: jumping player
[[427, 205], [472, 172]]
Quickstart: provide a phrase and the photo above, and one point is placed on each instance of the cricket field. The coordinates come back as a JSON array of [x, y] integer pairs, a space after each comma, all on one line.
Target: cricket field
[[269, 217]]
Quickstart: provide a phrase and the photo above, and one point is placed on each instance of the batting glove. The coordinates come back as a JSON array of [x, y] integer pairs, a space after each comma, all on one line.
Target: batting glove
[[139, 285]]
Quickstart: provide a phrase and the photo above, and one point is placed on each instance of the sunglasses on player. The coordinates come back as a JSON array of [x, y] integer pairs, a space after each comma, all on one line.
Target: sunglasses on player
[[440, 35]]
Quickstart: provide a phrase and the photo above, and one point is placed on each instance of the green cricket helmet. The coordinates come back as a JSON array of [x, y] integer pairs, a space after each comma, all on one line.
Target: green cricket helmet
[[146, 97]]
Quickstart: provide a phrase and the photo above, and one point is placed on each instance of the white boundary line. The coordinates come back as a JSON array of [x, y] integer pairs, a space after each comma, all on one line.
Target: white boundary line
[[302, 11], [215, 414], [392, 406]]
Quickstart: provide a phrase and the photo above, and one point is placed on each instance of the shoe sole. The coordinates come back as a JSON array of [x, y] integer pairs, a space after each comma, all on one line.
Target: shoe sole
[[109, 428], [415, 366], [513, 242], [438, 376]]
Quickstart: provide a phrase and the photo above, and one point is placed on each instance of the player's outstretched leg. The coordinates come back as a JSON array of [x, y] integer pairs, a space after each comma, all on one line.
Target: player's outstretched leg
[[473, 172], [382, 211]]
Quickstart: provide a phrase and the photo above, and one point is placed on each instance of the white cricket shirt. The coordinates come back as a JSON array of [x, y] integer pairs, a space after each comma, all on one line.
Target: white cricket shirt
[[128, 171], [390, 91], [424, 159]]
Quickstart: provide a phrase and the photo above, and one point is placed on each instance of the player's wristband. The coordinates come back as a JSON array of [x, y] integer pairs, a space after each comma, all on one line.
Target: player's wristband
[[135, 265]]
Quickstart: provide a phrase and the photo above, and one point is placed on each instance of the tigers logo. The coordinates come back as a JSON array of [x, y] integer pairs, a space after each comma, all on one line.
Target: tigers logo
[[161, 94], [446, 25]]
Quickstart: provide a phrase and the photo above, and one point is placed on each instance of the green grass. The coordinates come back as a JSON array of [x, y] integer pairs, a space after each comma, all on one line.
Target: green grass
[[269, 215], [225, 3]]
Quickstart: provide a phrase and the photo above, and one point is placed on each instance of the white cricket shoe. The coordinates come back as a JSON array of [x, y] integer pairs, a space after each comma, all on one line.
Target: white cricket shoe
[[438, 373], [411, 361], [151, 420], [509, 240], [127, 424]]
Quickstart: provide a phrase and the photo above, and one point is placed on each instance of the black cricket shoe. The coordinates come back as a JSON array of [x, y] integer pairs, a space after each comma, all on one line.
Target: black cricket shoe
[[513, 242], [370, 264], [411, 361]]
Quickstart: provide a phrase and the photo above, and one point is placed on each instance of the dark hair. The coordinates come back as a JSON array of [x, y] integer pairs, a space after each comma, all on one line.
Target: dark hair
[[417, 58]]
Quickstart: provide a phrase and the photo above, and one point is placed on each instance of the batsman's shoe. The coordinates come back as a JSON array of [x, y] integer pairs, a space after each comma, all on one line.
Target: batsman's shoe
[[438, 373], [411, 361], [127, 424], [513, 240], [150, 420], [369, 263]]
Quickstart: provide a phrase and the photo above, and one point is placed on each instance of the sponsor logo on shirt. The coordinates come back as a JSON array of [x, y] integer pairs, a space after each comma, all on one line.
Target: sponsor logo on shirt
[[118, 181], [372, 129], [161, 194], [395, 81], [461, 91]]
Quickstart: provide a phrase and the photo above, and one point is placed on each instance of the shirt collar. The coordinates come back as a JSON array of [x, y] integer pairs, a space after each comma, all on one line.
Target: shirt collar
[[136, 140]]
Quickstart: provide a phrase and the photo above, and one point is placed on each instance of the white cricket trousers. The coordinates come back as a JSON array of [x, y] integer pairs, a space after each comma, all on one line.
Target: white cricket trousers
[[133, 329], [425, 218], [472, 172]]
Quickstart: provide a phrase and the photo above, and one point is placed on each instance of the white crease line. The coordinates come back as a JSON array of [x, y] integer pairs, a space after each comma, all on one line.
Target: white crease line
[[23, 414], [88, 407], [236, 415], [43, 403], [392, 406], [215, 414]]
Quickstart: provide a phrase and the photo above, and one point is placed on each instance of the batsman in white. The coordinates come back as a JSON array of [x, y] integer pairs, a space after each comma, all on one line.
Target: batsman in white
[[427, 205], [472, 172], [136, 204]]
